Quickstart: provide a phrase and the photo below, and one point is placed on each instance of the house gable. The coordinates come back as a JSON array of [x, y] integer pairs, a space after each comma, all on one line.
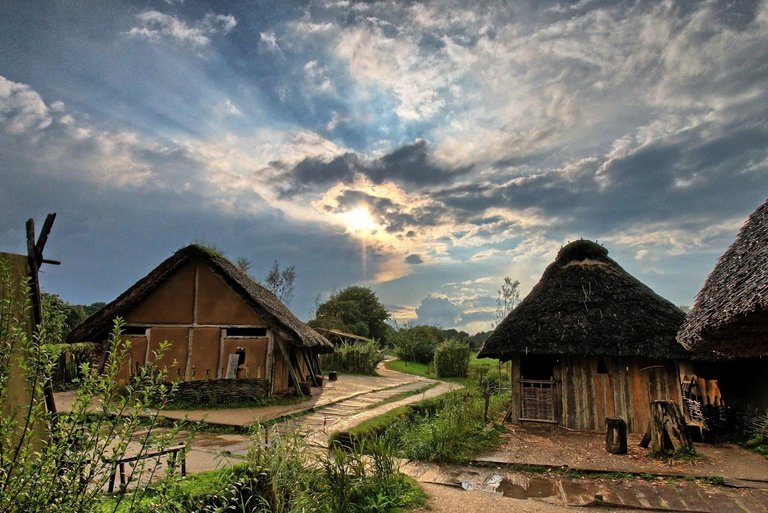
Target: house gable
[[218, 304], [170, 303]]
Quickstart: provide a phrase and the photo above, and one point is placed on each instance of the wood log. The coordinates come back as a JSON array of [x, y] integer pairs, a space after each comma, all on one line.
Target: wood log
[[615, 435], [668, 433]]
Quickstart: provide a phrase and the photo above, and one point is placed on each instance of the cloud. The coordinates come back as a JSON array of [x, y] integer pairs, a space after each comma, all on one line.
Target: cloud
[[21, 109], [410, 164], [156, 26], [414, 259], [269, 42]]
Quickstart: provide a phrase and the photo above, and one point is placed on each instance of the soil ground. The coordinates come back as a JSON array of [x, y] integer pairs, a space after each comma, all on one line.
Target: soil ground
[[585, 450]]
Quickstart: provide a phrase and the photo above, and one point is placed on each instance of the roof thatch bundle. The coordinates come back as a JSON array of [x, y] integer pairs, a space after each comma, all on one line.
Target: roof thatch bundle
[[586, 304], [277, 316], [730, 314]]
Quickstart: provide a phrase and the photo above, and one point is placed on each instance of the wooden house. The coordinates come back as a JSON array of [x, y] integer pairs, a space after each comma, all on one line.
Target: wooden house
[[590, 341], [220, 323]]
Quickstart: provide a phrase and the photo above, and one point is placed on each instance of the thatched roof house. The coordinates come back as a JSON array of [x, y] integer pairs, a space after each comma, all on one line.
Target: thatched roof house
[[212, 312], [588, 342], [586, 304], [730, 314]]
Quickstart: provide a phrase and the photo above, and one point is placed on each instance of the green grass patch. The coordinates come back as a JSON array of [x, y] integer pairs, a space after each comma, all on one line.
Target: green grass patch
[[446, 429], [403, 395], [477, 366]]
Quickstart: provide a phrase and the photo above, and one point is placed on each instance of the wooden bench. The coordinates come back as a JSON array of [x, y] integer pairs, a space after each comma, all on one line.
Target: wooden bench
[[173, 452]]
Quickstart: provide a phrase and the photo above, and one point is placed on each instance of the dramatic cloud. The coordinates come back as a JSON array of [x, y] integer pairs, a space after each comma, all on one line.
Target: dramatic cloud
[[440, 145]]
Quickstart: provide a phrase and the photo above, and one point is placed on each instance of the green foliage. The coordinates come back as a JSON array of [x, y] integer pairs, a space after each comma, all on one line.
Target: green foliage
[[449, 430], [66, 470], [476, 340], [758, 444], [73, 362], [452, 359], [360, 357], [60, 317], [279, 477], [354, 310], [417, 343]]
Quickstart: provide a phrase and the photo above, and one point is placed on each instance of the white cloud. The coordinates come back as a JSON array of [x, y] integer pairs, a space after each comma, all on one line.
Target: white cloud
[[156, 26], [22, 109], [269, 41]]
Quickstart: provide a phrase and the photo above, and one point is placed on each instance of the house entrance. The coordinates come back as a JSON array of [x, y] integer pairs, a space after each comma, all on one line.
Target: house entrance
[[537, 387]]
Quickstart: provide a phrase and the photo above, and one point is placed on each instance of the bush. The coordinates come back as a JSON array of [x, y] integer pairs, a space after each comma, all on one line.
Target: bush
[[450, 430], [452, 359], [417, 343], [361, 358]]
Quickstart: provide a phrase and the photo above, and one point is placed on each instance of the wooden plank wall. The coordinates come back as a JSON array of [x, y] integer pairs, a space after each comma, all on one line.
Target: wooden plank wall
[[625, 391]]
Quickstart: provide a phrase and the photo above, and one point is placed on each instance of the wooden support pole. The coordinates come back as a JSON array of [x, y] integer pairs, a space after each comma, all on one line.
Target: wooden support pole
[[287, 359], [35, 258]]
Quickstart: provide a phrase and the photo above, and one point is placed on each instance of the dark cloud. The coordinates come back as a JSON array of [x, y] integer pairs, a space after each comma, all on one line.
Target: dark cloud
[[387, 213], [414, 259], [694, 176], [312, 172], [438, 311], [411, 165]]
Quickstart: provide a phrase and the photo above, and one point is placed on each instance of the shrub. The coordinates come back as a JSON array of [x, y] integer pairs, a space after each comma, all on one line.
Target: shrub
[[450, 430], [452, 359], [361, 358], [417, 343]]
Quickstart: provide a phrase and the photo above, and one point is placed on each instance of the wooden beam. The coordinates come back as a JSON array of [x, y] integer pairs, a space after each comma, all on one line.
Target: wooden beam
[[287, 359], [35, 258]]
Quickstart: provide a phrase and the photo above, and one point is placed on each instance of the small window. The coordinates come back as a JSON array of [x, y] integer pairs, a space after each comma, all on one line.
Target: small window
[[602, 368], [134, 331], [247, 332]]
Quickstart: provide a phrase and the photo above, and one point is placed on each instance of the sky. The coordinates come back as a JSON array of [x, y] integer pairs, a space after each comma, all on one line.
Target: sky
[[423, 149]]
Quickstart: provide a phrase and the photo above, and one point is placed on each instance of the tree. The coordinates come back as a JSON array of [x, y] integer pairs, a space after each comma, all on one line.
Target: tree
[[417, 343], [355, 310], [243, 264], [507, 299], [60, 317], [281, 282]]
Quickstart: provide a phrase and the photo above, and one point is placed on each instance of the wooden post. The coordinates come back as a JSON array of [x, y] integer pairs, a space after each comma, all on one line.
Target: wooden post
[[514, 376], [35, 260], [615, 435], [291, 370]]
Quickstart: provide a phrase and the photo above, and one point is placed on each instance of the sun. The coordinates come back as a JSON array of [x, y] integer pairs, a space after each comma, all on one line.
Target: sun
[[359, 220]]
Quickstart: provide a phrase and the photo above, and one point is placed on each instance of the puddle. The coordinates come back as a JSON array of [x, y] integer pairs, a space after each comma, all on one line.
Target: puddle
[[535, 487], [516, 486]]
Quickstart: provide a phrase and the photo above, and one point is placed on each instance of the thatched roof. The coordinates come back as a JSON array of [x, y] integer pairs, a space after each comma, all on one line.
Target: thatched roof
[[277, 316], [586, 304], [730, 314]]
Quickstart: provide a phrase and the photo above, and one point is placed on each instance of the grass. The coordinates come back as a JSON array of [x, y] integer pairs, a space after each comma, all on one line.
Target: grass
[[402, 395], [446, 429], [279, 476], [476, 365]]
